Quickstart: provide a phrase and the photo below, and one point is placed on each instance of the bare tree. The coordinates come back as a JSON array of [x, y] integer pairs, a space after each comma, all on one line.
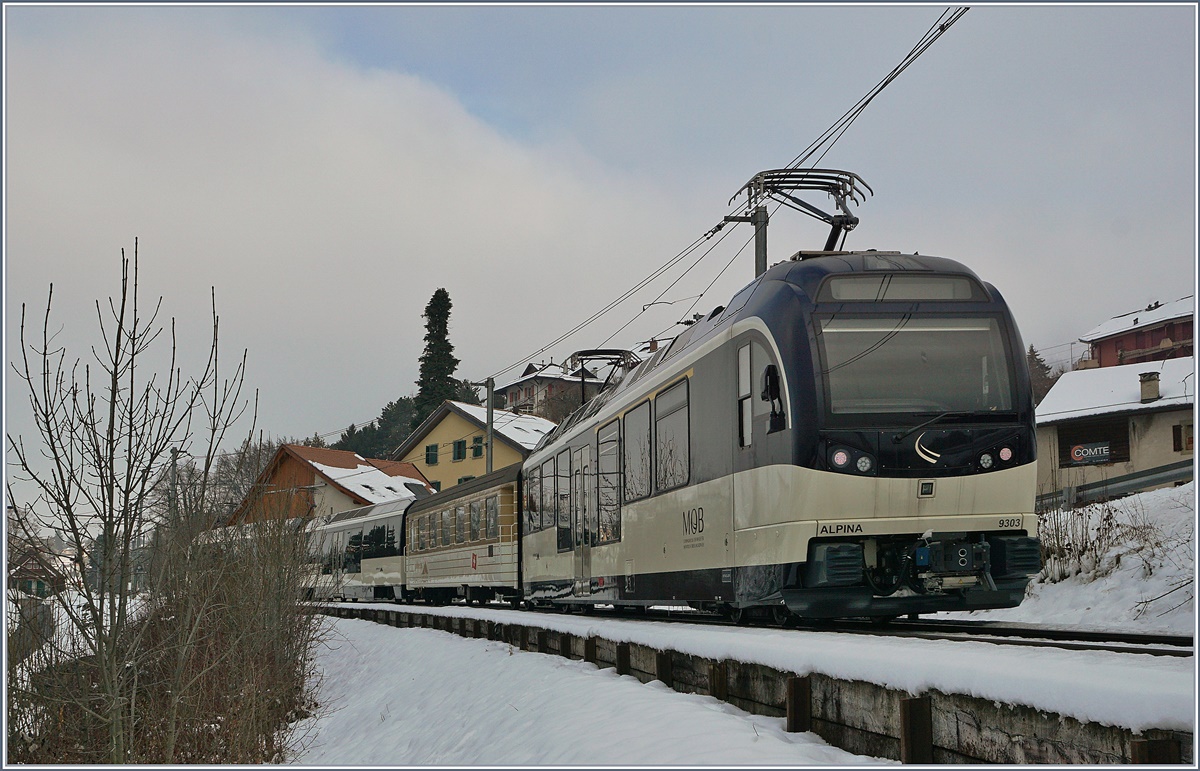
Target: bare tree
[[113, 683]]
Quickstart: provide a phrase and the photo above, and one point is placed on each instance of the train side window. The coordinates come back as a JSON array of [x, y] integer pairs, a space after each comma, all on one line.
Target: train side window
[[636, 449], [390, 547], [672, 459], [476, 515], [492, 516], [447, 528], [460, 524], [420, 528], [373, 541], [353, 553], [563, 507], [745, 403], [548, 500], [608, 487], [533, 501]]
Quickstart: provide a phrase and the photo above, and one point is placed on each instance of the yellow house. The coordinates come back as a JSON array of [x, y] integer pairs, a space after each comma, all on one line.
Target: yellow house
[[449, 447]]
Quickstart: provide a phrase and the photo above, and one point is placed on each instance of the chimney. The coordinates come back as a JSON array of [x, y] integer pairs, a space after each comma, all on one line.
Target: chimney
[[653, 346], [1150, 391]]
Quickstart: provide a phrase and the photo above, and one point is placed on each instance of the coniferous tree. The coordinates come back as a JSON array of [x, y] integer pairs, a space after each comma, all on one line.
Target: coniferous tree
[[1041, 377], [437, 382]]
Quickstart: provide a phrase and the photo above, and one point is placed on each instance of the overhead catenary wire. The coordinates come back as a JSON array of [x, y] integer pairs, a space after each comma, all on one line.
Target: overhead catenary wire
[[819, 148]]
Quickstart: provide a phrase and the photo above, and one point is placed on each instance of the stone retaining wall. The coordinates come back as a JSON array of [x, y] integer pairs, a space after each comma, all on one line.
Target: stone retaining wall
[[856, 716]]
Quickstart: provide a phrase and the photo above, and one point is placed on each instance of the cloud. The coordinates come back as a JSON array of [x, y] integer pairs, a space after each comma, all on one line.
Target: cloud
[[324, 202]]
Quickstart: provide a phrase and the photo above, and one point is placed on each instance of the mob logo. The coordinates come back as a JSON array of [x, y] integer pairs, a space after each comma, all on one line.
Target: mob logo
[[693, 521]]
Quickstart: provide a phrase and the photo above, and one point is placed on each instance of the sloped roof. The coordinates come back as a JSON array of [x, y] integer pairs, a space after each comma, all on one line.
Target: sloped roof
[[521, 432], [364, 480], [525, 430], [548, 372], [1110, 390], [1149, 317]]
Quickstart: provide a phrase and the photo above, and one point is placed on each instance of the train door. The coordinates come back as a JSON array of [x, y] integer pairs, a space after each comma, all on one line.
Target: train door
[[581, 497]]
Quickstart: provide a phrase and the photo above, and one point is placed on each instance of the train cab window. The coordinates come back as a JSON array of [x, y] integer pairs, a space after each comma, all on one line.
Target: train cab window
[[745, 403], [447, 528], [492, 516], [548, 500], [671, 437], [460, 524], [476, 519], [636, 451], [608, 483], [563, 506], [533, 500]]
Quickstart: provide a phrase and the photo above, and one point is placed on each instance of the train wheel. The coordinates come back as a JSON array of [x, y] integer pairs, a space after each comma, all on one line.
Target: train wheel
[[739, 616], [781, 616]]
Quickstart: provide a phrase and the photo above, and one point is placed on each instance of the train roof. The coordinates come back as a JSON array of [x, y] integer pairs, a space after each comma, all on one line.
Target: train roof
[[470, 487], [804, 270], [808, 269]]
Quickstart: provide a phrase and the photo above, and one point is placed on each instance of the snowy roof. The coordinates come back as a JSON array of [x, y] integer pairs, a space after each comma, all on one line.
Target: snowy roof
[[1155, 314], [368, 482], [1106, 390], [549, 371], [525, 430]]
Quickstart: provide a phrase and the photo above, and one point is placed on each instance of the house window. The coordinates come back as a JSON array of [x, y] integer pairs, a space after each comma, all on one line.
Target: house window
[[436, 485], [477, 447], [431, 454], [460, 449], [1182, 437], [465, 479]]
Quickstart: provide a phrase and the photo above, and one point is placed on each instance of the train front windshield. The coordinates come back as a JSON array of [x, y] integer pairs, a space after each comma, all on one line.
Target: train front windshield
[[912, 365]]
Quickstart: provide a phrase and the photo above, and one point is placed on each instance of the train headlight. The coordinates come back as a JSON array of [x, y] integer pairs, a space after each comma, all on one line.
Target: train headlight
[[841, 459], [986, 460], [864, 464], [1006, 454]]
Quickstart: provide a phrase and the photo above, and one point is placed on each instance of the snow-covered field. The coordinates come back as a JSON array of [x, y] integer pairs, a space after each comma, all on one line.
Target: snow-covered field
[[1144, 579], [419, 697]]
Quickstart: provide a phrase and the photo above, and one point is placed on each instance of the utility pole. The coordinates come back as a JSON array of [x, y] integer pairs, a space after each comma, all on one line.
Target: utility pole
[[490, 383], [758, 218], [491, 393]]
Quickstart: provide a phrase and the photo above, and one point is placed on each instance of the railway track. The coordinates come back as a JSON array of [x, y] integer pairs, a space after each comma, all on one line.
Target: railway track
[[996, 632]]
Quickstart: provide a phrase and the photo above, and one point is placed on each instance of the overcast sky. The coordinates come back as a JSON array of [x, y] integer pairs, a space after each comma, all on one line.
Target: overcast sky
[[326, 169]]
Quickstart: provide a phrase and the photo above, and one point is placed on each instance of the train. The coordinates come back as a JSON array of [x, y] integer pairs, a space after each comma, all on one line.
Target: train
[[851, 435]]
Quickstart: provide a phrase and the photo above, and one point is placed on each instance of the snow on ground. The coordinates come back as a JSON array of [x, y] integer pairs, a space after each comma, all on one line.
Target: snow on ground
[[423, 697], [441, 699], [1143, 582]]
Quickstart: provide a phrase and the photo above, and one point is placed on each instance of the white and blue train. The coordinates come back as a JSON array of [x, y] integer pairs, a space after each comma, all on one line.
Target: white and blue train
[[851, 435]]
